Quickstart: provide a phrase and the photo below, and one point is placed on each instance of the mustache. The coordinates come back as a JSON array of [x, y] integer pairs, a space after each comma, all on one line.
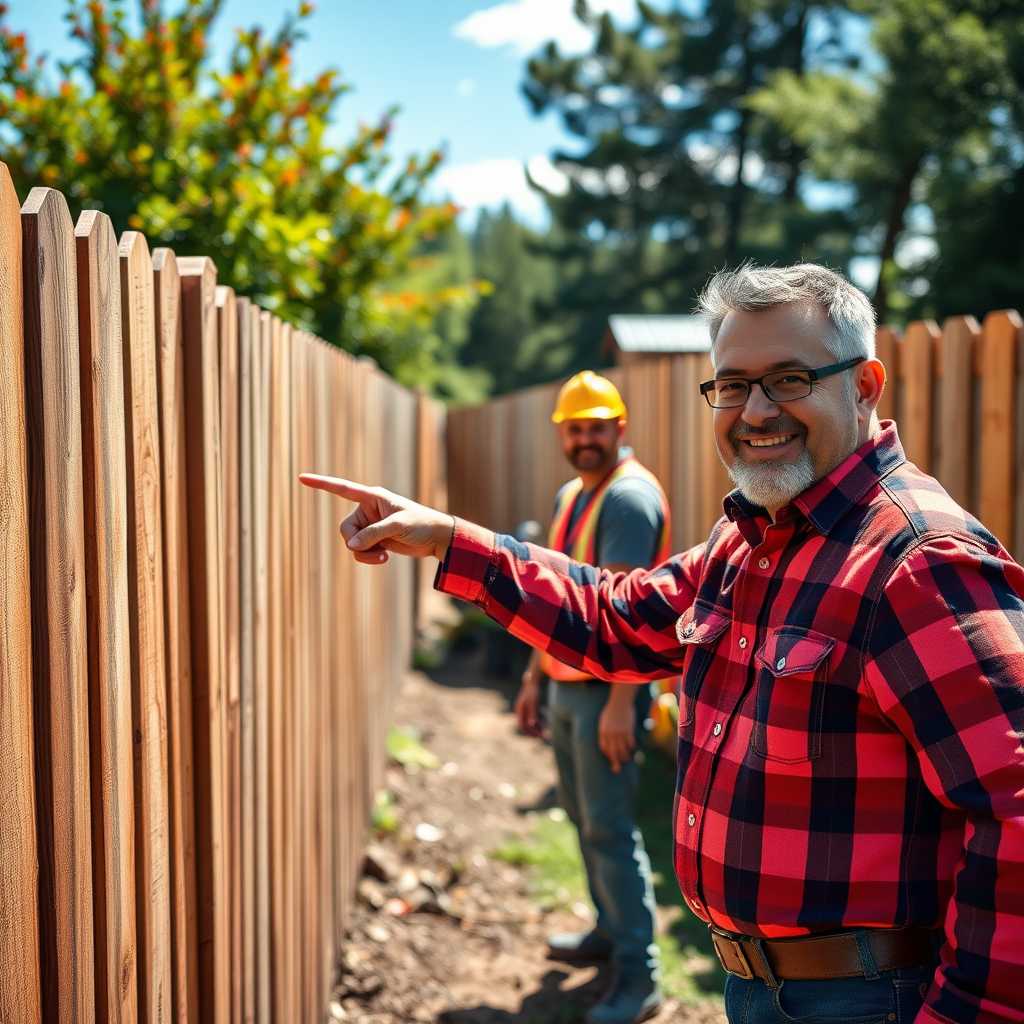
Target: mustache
[[777, 426], [588, 448]]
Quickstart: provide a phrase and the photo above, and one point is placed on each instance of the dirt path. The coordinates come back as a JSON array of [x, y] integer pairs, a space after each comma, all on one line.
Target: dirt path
[[446, 933]]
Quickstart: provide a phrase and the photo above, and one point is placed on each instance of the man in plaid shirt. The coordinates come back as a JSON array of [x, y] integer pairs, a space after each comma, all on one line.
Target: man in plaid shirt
[[849, 816]]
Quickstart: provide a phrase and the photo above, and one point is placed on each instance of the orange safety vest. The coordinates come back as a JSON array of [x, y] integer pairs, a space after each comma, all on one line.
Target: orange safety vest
[[580, 543]]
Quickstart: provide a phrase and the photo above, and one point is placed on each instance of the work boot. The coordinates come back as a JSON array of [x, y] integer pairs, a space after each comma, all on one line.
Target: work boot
[[579, 947], [631, 999]]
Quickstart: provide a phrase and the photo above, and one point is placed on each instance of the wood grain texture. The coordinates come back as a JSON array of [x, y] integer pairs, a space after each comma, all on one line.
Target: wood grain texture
[[247, 696], [956, 416], [146, 609], [230, 426], [177, 646], [105, 474], [19, 920], [1000, 341], [280, 675], [917, 385], [887, 349], [59, 645], [262, 674], [202, 445]]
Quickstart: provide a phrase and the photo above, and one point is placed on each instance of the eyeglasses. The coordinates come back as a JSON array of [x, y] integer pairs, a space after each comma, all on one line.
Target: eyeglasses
[[779, 386]]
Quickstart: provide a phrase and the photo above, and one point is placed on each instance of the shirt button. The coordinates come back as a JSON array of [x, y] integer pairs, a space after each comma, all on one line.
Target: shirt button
[[691, 818], [780, 664], [763, 563], [717, 729], [743, 642]]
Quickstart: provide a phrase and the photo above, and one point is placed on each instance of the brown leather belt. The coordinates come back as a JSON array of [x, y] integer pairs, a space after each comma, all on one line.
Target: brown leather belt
[[819, 957]]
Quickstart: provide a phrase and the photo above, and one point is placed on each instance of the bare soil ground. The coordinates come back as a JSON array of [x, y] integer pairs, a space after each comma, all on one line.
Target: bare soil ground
[[445, 932]]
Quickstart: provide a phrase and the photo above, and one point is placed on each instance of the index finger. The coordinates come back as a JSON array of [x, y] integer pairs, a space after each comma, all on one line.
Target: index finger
[[336, 485]]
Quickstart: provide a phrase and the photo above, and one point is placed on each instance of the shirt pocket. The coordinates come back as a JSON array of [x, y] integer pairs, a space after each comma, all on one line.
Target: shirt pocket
[[792, 671], [698, 629]]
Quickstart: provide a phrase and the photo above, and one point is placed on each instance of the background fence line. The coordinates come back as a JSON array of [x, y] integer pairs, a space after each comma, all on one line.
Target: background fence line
[[195, 681], [956, 393]]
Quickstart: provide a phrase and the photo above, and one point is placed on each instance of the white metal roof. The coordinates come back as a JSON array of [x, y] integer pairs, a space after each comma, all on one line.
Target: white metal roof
[[660, 333]]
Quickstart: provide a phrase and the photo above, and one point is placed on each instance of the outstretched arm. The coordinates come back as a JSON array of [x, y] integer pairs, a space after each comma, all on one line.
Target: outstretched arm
[[613, 625]]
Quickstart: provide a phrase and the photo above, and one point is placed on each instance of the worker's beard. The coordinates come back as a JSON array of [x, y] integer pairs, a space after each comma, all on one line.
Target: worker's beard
[[592, 458], [772, 485]]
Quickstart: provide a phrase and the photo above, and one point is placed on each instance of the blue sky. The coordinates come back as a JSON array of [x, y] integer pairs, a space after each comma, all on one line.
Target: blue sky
[[453, 66]]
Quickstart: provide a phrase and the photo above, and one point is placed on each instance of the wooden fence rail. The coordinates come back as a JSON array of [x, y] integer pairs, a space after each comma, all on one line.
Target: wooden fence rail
[[194, 680], [956, 393]]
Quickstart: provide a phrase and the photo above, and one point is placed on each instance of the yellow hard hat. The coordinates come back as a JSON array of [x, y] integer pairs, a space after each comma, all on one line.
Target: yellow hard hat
[[588, 396]]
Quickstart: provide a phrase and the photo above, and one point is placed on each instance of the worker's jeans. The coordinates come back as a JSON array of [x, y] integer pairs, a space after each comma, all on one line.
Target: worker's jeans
[[894, 997], [600, 804]]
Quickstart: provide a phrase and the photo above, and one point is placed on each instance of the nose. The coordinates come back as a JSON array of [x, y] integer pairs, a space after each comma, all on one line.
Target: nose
[[759, 408]]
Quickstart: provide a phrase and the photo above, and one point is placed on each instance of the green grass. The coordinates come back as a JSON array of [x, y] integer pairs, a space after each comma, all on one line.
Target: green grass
[[553, 857], [690, 971], [405, 748]]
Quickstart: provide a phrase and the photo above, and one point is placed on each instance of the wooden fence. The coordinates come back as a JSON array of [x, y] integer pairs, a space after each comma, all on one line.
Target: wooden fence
[[956, 393], [194, 678]]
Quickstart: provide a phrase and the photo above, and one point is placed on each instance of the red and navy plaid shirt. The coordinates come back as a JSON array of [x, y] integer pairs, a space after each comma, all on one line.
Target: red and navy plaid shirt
[[852, 710]]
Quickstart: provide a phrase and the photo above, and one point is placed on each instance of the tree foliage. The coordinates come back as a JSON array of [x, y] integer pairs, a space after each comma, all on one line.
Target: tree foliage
[[237, 163]]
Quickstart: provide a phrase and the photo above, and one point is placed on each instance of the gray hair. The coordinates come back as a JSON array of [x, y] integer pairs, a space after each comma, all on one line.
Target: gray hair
[[751, 288]]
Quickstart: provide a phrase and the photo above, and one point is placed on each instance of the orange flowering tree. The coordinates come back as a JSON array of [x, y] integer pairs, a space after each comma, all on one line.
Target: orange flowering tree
[[235, 163]]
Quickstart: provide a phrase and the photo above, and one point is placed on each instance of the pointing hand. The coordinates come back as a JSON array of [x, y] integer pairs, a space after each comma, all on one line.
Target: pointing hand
[[383, 521]]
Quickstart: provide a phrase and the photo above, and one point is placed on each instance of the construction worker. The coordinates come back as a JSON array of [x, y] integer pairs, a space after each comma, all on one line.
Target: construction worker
[[613, 514]]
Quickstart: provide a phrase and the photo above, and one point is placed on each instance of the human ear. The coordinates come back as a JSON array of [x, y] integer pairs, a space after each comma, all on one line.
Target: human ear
[[870, 384]]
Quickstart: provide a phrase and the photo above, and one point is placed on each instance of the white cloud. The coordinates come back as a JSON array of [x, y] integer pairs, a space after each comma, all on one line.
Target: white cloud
[[490, 183], [526, 25], [466, 86]]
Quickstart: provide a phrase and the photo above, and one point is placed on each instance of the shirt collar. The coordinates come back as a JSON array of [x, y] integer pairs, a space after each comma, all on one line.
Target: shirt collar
[[827, 500]]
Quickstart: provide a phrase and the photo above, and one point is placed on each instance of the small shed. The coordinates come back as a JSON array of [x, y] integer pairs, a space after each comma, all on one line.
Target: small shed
[[632, 338]]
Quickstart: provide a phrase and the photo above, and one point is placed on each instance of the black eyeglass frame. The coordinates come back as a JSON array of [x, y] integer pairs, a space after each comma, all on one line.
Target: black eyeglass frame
[[816, 374]]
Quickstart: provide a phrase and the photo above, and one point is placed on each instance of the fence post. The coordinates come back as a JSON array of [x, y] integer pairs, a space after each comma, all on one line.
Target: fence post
[[59, 646], [19, 920]]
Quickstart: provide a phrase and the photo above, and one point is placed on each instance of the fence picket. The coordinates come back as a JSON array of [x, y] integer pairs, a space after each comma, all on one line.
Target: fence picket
[[59, 645], [146, 611], [19, 918], [202, 447], [177, 647]]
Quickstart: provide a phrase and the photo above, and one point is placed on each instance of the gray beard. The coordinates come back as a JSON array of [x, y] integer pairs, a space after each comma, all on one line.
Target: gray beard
[[773, 486]]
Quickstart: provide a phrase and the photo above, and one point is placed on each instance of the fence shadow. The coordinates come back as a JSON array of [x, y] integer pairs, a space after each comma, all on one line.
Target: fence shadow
[[549, 1004]]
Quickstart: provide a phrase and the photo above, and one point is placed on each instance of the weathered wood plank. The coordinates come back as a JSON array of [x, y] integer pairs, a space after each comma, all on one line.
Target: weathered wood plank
[[19, 919], [202, 445], [146, 612], [171, 381], [59, 642]]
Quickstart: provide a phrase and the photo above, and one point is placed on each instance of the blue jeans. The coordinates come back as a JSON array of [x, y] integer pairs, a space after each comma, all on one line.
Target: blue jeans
[[893, 997], [600, 803]]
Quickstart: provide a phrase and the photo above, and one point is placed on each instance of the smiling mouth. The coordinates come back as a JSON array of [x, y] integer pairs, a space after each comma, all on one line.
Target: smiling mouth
[[768, 442]]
